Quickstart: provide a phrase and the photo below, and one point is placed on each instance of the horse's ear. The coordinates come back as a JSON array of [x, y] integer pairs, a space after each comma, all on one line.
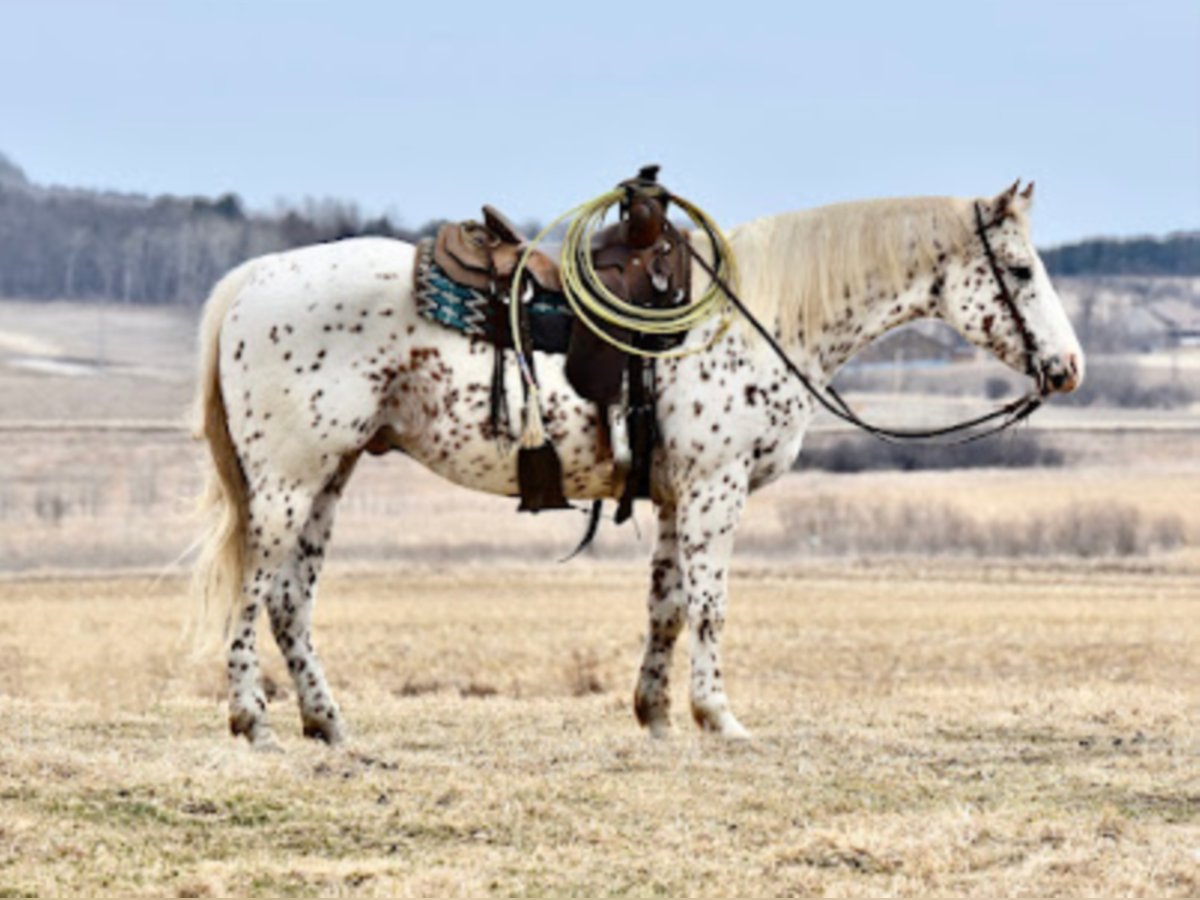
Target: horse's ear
[[1024, 199], [1003, 204]]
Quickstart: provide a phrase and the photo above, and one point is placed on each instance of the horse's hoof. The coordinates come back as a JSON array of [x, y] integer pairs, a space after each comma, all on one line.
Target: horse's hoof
[[720, 722], [735, 731], [660, 729], [655, 717], [266, 742], [255, 730], [323, 730]]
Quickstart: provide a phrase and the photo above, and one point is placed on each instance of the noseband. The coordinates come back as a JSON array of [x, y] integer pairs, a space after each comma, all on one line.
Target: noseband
[[1009, 301]]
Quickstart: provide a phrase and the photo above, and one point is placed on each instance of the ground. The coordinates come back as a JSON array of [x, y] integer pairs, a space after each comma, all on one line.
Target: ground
[[921, 728], [972, 682]]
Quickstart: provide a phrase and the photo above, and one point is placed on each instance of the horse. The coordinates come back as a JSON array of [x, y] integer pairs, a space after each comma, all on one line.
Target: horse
[[310, 356]]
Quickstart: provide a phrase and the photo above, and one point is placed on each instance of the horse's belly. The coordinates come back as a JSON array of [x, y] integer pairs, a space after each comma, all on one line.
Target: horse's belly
[[441, 415], [473, 462], [489, 466]]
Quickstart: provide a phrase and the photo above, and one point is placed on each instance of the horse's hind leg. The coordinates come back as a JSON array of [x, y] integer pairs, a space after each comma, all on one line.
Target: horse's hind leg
[[290, 607], [665, 605], [247, 702], [276, 515]]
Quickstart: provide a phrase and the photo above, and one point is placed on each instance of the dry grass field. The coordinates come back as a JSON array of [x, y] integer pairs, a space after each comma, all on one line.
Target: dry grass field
[[103, 501], [920, 729], [971, 682]]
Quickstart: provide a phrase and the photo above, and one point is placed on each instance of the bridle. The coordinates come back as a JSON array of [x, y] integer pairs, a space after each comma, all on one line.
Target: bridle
[[969, 430], [1010, 304]]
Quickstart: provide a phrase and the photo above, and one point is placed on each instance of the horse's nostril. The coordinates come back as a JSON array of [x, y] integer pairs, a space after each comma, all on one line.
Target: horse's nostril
[[1061, 373]]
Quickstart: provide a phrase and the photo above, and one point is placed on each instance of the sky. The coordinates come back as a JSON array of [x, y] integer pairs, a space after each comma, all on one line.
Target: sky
[[427, 110]]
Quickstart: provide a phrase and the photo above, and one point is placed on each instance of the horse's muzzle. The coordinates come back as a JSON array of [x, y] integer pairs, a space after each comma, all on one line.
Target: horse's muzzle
[[1061, 374]]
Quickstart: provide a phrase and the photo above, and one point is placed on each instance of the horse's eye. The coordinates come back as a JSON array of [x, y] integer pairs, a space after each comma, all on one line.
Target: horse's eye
[[1024, 273]]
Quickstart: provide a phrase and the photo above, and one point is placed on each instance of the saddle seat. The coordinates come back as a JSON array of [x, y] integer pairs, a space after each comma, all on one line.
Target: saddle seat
[[484, 255]]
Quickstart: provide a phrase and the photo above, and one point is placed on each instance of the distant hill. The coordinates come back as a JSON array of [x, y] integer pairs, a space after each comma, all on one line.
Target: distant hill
[[63, 243], [11, 174], [1176, 254]]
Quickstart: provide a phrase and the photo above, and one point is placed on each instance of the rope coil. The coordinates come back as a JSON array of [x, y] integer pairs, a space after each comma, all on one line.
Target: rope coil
[[593, 303]]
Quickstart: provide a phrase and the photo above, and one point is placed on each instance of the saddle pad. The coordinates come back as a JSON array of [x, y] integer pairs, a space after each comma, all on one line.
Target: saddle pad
[[476, 314]]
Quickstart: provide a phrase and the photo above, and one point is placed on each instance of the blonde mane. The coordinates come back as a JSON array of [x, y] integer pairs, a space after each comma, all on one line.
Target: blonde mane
[[802, 269]]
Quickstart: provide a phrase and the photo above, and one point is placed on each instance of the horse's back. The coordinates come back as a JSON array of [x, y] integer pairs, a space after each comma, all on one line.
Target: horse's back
[[371, 265]]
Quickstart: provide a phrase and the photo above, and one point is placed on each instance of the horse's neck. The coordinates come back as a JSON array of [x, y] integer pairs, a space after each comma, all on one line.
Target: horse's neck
[[865, 318]]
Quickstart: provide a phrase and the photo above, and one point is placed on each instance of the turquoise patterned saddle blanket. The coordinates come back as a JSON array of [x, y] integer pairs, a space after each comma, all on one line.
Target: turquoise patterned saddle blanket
[[478, 315]]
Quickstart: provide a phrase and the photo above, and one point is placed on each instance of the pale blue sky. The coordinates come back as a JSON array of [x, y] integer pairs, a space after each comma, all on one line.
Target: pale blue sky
[[753, 108]]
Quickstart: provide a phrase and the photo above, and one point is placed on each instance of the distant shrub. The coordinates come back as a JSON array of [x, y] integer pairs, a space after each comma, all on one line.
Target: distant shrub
[[832, 526], [50, 506], [996, 387], [583, 674], [865, 453]]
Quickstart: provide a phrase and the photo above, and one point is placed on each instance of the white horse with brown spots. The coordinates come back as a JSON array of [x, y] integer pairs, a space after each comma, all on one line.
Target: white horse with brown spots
[[310, 355]]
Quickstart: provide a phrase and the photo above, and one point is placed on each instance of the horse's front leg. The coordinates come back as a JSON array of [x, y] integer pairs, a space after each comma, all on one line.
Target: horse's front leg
[[666, 606], [708, 515]]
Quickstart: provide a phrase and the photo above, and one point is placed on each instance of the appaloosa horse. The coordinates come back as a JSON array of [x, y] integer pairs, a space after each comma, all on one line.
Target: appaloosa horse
[[310, 355]]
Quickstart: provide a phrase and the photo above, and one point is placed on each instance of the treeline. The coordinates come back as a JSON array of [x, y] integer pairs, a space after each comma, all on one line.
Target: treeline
[[1176, 254], [58, 243]]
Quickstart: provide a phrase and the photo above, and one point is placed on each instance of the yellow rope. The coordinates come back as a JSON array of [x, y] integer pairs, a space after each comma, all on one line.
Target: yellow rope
[[586, 219]]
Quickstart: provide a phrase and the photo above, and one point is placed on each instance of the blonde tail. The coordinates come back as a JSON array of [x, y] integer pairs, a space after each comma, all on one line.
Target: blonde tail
[[217, 579]]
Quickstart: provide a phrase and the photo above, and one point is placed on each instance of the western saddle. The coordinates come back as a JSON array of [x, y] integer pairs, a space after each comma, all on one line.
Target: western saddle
[[641, 259], [484, 255]]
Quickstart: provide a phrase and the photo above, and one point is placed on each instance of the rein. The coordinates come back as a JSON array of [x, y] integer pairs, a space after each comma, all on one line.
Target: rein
[[1008, 415]]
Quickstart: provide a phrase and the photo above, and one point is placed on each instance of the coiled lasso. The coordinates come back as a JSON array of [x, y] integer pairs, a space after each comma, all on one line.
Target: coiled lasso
[[593, 303]]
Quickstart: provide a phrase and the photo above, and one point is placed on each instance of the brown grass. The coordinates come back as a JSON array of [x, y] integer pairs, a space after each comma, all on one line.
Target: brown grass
[[103, 501], [921, 729], [925, 727]]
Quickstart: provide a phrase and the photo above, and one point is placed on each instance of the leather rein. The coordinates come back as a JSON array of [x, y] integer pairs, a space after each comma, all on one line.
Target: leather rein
[[971, 430]]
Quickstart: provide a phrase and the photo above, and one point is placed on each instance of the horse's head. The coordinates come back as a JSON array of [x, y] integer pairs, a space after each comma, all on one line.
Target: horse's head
[[998, 296]]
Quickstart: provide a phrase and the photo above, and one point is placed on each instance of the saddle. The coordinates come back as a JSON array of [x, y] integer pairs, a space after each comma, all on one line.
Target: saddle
[[484, 255], [635, 259], [640, 260]]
